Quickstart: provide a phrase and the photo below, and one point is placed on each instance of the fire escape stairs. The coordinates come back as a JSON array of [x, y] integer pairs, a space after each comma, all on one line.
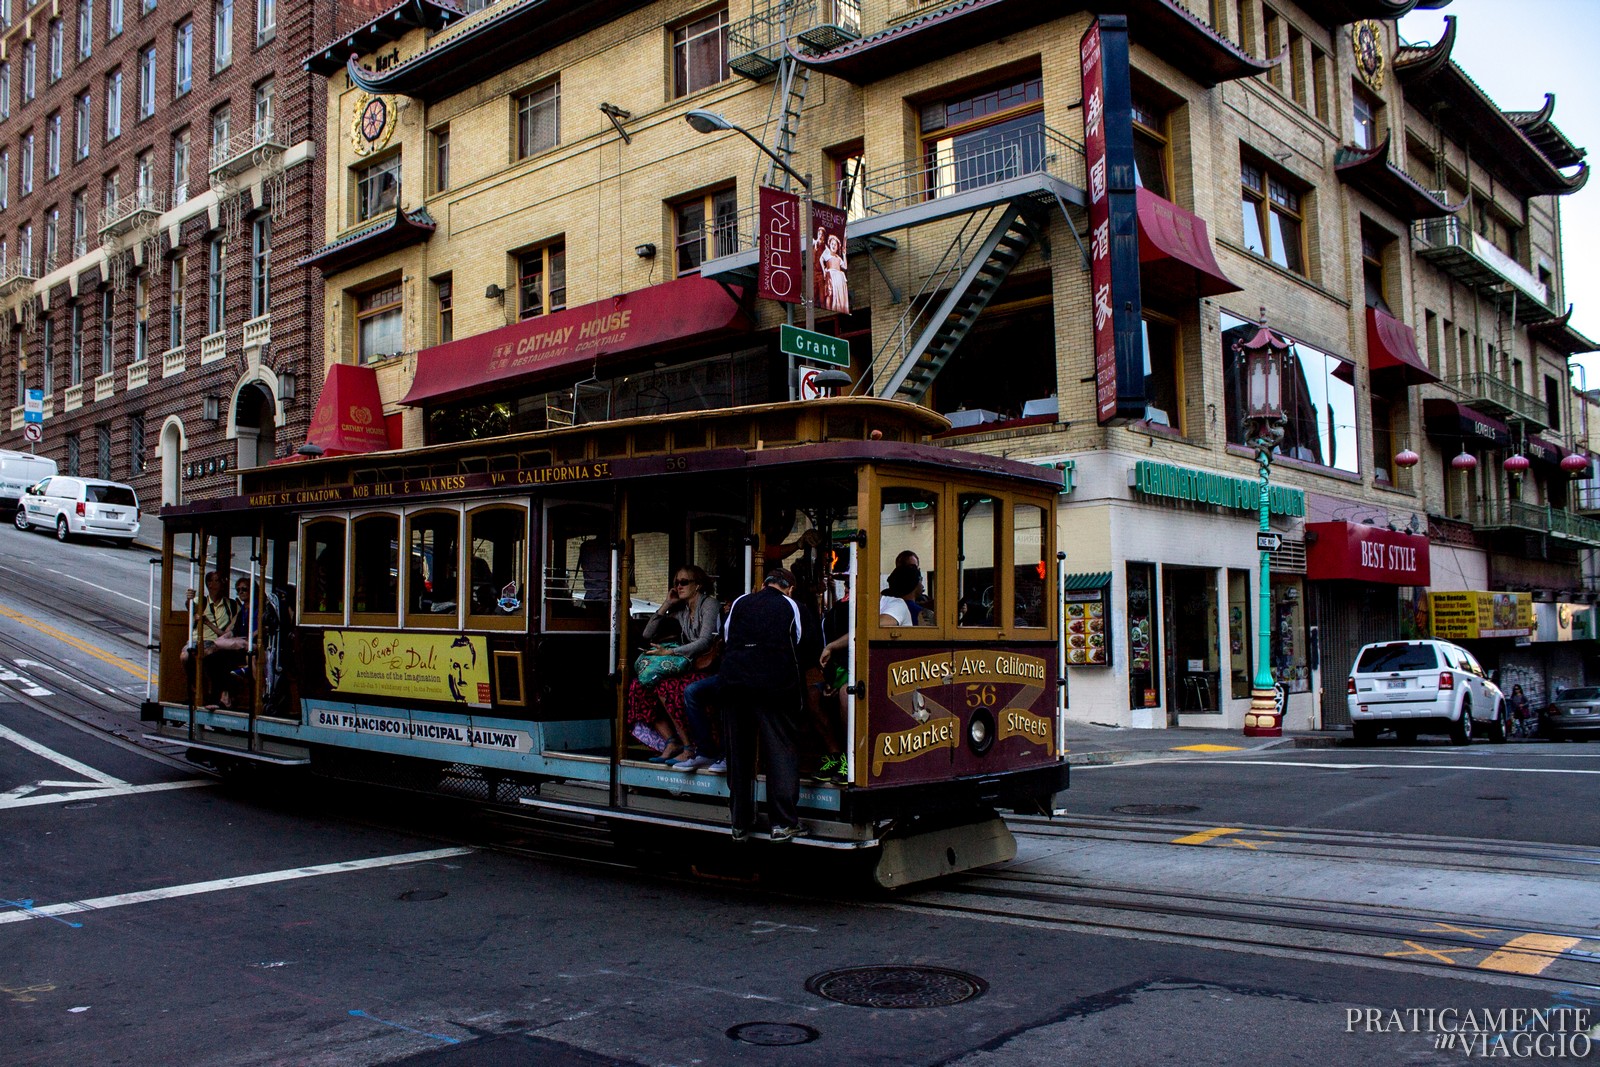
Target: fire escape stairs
[[1020, 226], [791, 90]]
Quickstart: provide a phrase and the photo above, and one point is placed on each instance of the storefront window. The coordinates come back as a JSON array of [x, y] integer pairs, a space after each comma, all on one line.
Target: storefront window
[[1239, 634], [1289, 663], [1319, 399], [1144, 684]]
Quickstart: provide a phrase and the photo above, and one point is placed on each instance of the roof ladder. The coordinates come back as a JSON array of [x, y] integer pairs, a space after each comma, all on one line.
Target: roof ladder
[[906, 373], [791, 89]]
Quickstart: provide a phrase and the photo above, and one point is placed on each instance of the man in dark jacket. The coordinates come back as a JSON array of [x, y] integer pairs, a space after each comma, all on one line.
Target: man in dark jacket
[[761, 696]]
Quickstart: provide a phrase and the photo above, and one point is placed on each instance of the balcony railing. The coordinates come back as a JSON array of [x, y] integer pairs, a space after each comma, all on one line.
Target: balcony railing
[[1009, 152], [1452, 246], [172, 362], [1486, 392], [213, 347], [16, 275], [72, 400], [104, 386], [1539, 518], [129, 212], [245, 149], [138, 375], [1587, 497], [755, 44], [258, 331]]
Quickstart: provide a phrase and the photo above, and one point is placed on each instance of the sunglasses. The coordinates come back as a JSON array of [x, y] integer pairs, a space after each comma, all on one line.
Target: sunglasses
[[685, 581]]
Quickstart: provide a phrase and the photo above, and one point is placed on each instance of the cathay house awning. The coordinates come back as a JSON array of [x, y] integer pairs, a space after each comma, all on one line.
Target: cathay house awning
[[1392, 351], [1452, 422], [349, 416], [1175, 249], [686, 309]]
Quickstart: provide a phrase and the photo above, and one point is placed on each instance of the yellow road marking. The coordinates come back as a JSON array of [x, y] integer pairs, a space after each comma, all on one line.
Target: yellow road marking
[[1528, 954], [82, 646], [1446, 928], [1205, 835], [1209, 748], [1440, 954], [1237, 844]]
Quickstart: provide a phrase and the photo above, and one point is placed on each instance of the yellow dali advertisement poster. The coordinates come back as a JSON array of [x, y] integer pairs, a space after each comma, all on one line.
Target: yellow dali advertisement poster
[[444, 667], [1467, 615]]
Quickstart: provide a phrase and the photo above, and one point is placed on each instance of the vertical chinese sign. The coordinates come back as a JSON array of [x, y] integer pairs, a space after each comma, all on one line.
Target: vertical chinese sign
[[782, 271], [1113, 221]]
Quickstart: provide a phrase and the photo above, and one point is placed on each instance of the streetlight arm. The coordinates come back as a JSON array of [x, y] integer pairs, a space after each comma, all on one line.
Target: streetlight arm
[[790, 171]]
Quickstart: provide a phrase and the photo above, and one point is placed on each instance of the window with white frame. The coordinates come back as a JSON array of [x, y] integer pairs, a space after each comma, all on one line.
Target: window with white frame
[[108, 324], [216, 286], [179, 277], [180, 168], [183, 59], [538, 119], [141, 318], [110, 190], [52, 146], [222, 35], [113, 18], [260, 266], [25, 248], [80, 132], [80, 223], [147, 6], [57, 37], [52, 230], [377, 187], [5, 90], [5, 177], [266, 20], [25, 163], [221, 119], [379, 326], [114, 105], [147, 82], [75, 347], [145, 181], [30, 68], [47, 354], [85, 28], [700, 53], [265, 111]]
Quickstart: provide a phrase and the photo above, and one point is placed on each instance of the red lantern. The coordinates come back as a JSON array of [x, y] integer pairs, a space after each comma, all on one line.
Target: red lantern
[[1516, 464], [1575, 464], [1466, 461], [1406, 458]]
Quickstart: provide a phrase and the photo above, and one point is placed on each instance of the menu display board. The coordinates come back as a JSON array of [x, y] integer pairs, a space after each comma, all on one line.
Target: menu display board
[[1086, 629]]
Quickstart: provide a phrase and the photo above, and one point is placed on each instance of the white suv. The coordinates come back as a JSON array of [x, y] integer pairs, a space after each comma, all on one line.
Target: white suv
[[81, 507], [1416, 686]]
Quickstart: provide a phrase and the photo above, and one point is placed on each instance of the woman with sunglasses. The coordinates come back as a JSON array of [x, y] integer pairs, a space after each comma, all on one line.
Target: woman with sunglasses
[[690, 604]]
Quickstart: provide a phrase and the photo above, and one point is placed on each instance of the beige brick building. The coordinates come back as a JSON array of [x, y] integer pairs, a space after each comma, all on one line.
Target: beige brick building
[[524, 231]]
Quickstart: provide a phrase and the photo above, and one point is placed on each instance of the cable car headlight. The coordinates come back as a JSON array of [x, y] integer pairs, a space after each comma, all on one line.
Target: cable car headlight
[[980, 731]]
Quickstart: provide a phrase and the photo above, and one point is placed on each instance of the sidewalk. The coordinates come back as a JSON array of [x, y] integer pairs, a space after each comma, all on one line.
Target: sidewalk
[[1093, 745]]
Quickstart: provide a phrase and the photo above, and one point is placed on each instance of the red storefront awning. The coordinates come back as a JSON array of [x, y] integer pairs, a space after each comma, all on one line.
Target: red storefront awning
[[1392, 351], [1354, 551], [681, 310], [349, 416], [1175, 249]]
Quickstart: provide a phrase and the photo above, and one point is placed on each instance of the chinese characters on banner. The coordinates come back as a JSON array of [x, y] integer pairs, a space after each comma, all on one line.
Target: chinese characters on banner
[[829, 278], [782, 270], [1113, 234]]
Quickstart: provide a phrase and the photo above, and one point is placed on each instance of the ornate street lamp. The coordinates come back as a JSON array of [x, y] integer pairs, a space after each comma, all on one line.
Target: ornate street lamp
[[1264, 354]]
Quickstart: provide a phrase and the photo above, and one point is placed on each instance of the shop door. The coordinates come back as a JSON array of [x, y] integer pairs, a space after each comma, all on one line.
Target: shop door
[[1194, 679], [1351, 614]]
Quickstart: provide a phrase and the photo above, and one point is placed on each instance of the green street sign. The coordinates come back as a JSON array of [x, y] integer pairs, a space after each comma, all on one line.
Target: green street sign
[[808, 344]]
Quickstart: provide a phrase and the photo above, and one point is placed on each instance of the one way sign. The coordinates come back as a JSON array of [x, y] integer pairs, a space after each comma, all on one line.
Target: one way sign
[[1268, 542]]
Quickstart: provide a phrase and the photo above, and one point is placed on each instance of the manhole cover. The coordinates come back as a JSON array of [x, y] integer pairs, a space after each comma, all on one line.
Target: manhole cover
[[1156, 809], [423, 894], [773, 1033], [897, 987]]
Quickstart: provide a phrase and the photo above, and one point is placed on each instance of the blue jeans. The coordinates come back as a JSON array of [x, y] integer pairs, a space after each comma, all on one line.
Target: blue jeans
[[695, 697]]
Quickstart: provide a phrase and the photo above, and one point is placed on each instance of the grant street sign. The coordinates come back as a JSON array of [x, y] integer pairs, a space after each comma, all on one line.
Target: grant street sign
[[808, 344]]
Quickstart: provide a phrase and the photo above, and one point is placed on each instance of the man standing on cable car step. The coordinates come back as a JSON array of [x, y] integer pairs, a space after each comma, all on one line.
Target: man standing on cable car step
[[762, 696]]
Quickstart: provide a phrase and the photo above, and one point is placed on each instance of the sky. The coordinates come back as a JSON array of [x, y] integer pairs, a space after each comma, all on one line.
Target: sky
[[1518, 50]]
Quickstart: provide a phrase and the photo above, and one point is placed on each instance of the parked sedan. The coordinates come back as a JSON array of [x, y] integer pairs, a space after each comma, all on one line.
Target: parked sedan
[[1575, 713]]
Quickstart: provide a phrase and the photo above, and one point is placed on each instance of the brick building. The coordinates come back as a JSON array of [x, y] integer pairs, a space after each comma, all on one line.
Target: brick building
[[155, 194], [523, 231]]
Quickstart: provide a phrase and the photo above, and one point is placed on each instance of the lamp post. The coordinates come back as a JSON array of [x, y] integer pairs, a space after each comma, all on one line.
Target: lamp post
[[1263, 355], [704, 121]]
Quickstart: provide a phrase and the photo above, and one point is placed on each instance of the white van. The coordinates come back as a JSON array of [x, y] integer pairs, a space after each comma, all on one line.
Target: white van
[[18, 470], [81, 507]]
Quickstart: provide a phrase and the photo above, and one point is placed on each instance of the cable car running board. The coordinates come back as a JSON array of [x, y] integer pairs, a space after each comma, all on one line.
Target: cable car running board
[[681, 824], [229, 750]]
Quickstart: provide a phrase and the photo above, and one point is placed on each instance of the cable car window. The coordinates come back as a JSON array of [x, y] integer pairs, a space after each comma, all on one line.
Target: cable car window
[[375, 568], [977, 560], [1029, 569], [433, 596], [577, 567], [908, 537], [498, 562], [323, 580]]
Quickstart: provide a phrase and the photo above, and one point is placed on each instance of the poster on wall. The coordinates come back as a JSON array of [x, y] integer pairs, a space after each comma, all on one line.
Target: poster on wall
[[1467, 615], [1086, 629]]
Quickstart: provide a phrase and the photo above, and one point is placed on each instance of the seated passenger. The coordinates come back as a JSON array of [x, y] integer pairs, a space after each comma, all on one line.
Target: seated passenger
[[213, 620], [660, 705], [894, 606]]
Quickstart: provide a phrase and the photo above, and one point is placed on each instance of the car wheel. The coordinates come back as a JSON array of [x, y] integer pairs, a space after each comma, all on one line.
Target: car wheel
[[21, 519], [1461, 729], [62, 533], [1500, 732], [1407, 735], [1366, 733]]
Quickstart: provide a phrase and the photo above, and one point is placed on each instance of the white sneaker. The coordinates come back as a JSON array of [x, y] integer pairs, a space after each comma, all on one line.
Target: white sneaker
[[719, 767], [693, 763]]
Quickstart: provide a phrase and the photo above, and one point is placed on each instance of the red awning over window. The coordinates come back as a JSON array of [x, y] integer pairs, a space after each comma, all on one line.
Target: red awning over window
[[1392, 351], [1175, 249], [349, 416], [675, 311]]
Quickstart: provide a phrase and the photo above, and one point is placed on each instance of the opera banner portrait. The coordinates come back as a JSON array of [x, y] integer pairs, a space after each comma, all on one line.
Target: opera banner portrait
[[830, 279], [446, 668]]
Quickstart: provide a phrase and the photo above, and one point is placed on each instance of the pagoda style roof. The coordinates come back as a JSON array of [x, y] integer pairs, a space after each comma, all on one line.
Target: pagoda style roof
[[393, 24], [1537, 127], [1434, 83], [393, 233], [1373, 174], [1340, 12], [1560, 335], [1162, 26], [504, 36]]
